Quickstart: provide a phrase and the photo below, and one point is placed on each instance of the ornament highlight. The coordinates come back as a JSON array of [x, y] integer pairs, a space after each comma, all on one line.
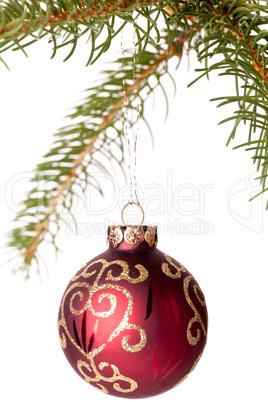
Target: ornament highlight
[[133, 321]]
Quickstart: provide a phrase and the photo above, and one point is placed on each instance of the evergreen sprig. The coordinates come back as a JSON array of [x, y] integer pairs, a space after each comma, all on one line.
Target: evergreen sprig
[[67, 167], [230, 37], [234, 35], [24, 22]]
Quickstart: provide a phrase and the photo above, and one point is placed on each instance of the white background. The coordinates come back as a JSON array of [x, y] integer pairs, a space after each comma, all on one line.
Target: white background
[[229, 262]]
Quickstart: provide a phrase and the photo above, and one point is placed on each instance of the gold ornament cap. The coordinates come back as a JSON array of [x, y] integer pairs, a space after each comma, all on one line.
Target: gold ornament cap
[[132, 235]]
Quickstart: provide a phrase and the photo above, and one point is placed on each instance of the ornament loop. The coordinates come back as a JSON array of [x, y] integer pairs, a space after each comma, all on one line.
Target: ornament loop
[[131, 203]]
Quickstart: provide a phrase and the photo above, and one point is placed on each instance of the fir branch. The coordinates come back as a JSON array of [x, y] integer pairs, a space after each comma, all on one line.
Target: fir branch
[[232, 32], [24, 22], [40, 212]]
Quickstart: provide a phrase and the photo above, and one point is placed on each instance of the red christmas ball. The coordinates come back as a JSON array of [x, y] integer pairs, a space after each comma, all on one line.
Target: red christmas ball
[[133, 321]]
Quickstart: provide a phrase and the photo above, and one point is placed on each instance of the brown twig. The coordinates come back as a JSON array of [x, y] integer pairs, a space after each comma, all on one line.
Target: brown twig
[[259, 65]]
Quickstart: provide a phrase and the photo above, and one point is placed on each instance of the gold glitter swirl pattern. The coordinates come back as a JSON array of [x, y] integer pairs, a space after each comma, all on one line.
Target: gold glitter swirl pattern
[[62, 325], [117, 376], [62, 337], [134, 235], [84, 273], [76, 294], [139, 346], [113, 301], [201, 301], [193, 340], [167, 271], [112, 298], [143, 274]]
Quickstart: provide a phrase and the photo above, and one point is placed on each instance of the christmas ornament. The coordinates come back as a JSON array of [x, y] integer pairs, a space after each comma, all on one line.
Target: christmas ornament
[[133, 321]]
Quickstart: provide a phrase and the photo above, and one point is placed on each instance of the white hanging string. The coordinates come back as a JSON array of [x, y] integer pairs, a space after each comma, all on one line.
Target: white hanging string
[[136, 127], [132, 145]]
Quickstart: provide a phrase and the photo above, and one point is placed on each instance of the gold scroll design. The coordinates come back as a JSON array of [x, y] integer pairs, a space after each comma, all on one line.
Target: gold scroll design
[[193, 340], [89, 370], [166, 269]]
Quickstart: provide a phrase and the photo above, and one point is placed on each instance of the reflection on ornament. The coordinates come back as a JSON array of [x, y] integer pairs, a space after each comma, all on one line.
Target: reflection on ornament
[[133, 321]]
